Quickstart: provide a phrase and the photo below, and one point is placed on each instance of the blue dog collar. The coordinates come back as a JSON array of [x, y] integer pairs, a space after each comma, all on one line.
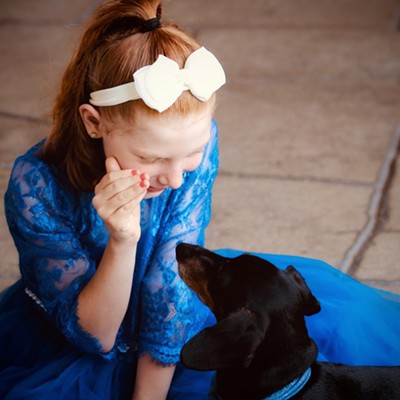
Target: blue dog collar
[[285, 393], [292, 389]]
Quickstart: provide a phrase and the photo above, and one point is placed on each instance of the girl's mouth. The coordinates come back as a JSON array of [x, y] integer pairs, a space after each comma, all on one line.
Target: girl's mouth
[[152, 189]]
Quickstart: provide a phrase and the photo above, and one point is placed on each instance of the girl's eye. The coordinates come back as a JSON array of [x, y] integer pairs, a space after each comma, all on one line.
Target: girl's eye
[[196, 153], [149, 160]]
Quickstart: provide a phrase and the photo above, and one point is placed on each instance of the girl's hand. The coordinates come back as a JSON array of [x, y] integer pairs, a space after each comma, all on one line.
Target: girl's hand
[[117, 201]]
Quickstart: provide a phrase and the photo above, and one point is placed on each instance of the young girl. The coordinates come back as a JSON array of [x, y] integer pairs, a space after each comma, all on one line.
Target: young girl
[[96, 212], [97, 209]]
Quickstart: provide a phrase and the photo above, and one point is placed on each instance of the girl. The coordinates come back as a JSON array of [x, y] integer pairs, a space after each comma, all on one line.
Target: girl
[[96, 212], [97, 209]]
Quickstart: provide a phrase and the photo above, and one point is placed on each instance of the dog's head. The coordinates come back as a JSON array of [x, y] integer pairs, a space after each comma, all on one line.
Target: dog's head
[[255, 304]]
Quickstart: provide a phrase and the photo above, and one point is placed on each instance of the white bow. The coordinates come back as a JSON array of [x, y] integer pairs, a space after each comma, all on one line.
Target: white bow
[[159, 85]]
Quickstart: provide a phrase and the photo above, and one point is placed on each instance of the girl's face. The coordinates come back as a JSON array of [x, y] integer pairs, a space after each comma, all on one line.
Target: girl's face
[[164, 147]]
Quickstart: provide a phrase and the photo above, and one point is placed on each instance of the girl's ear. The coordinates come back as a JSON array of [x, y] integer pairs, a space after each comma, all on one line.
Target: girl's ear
[[92, 120]]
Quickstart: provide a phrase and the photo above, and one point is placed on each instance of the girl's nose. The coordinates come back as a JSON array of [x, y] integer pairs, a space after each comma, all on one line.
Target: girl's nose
[[172, 178]]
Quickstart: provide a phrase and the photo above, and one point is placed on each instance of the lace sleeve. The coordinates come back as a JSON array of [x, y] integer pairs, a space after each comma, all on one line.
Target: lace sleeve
[[53, 264], [171, 313]]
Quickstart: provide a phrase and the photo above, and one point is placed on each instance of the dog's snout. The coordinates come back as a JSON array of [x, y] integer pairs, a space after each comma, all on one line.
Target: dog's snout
[[184, 251]]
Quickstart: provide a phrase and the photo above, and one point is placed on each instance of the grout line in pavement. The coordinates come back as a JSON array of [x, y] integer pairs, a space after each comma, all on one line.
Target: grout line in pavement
[[397, 21], [24, 118], [355, 253], [391, 231], [344, 78], [381, 282], [41, 22], [244, 175], [389, 28], [6, 165]]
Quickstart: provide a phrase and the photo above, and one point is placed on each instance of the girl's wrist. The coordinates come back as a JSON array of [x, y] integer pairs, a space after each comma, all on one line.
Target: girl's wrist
[[122, 245]]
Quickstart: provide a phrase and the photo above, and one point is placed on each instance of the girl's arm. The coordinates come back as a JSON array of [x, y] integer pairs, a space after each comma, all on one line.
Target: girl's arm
[[152, 379], [103, 302]]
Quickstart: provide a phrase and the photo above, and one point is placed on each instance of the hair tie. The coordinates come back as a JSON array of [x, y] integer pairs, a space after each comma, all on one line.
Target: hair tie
[[150, 25]]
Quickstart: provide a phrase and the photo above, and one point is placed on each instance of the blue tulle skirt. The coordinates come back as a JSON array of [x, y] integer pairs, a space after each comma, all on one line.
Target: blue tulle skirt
[[357, 325]]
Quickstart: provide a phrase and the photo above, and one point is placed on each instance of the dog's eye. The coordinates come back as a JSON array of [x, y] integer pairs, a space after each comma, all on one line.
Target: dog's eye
[[223, 278], [205, 259]]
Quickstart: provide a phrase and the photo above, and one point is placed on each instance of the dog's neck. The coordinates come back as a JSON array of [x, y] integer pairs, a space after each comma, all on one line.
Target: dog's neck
[[277, 362], [286, 393]]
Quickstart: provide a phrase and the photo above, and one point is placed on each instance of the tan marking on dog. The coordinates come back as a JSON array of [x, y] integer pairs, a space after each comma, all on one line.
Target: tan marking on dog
[[193, 275]]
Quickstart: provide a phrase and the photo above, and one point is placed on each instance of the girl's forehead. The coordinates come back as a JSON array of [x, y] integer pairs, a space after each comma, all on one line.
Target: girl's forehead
[[163, 136], [142, 120]]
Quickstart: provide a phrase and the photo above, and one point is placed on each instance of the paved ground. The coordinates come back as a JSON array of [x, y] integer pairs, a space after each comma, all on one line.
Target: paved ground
[[309, 121]]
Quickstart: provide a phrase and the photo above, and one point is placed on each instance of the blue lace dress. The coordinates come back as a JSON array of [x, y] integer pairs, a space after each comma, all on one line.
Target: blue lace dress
[[60, 240]]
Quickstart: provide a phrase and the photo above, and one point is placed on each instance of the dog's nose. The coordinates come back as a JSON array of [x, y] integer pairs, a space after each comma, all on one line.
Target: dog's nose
[[184, 251], [181, 251]]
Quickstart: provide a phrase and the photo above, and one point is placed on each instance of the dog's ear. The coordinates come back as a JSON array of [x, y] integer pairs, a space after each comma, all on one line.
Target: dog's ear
[[231, 342], [311, 305]]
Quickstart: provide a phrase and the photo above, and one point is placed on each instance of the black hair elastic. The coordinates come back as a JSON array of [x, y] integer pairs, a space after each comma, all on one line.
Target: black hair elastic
[[149, 25], [126, 26]]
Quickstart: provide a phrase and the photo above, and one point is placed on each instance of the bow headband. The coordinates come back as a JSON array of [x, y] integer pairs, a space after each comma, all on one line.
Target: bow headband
[[159, 85]]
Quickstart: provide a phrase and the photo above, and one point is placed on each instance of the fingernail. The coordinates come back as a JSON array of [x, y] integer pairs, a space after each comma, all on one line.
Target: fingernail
[[144, 184], [143, 177], [134, 172]]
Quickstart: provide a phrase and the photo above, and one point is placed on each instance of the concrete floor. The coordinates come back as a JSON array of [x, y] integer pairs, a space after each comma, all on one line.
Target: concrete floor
[[309, 120]]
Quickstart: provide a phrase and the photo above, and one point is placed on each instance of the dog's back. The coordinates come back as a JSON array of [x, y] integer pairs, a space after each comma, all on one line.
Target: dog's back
[[330, 381]]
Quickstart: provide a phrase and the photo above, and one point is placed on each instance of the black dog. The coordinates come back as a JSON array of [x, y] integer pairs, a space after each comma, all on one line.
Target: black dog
[[260, 344]]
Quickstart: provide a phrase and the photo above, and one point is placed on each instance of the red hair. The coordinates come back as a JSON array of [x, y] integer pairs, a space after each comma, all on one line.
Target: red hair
[[111, 50]]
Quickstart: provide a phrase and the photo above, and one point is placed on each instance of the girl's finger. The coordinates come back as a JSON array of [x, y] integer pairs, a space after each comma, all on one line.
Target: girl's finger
[[129, 207], [133, 193], [118, 185], [112, 164], [113, 178]]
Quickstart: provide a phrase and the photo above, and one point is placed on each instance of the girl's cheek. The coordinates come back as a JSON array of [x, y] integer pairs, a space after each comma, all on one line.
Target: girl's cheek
[[193, 164], [135, 164], [151, 171]]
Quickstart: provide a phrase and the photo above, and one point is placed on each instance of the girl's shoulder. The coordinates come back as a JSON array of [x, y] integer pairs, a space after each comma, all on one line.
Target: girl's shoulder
[[31, 173], [30, 161], [33, 183]]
